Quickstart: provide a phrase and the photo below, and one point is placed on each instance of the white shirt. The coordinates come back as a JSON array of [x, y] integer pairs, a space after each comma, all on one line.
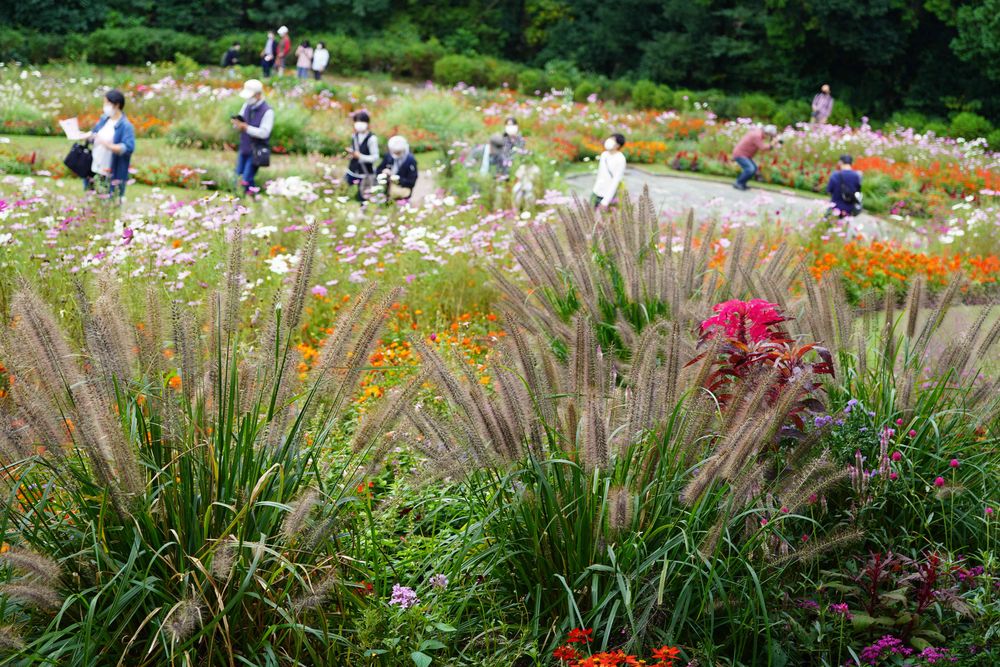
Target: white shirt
[[321, 58], [263, 131], [610, 171], [101, 155]]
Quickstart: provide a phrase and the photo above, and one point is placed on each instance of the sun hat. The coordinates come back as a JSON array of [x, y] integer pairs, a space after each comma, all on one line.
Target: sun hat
[[770, 130], [250, 88], [282, 30]]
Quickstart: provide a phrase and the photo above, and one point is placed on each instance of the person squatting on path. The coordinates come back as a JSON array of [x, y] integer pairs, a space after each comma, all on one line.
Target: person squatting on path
[[513, 144], [845, 188], [114, 142], [747, 147], [610, 172], [822, 105], [398, 170], [364, 155], [254, 122]]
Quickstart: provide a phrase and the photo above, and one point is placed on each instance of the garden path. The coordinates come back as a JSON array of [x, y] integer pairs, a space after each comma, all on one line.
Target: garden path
[[721, 201]]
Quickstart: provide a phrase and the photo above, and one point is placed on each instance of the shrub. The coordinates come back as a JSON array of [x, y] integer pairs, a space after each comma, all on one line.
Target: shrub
[[938, 127], [649, 95], [757, 106], [453, 69], [842, 114], [585, 89], [994, 140], [561, 74], [135, 46], [792, 112], [532, 81], [346, 54], [908, 118], [969, 125], [617, 90]]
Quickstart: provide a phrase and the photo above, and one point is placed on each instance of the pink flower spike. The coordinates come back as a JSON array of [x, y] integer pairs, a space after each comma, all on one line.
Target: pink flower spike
[[939, 481], [954, 463]]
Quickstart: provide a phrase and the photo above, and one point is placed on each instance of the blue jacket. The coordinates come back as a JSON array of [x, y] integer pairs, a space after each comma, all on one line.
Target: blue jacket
[[407, 171], [843, 185], [124, 134]]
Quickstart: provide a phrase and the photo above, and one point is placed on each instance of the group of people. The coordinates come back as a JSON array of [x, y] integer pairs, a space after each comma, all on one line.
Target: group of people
[[309, 61]]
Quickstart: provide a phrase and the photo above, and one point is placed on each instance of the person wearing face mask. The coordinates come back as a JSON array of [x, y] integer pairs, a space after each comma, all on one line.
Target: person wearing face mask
[[114, 142], [610, 172], [398, 169], [268, 54], [364, 155], [254, 122], [303, 64], [513, 144]]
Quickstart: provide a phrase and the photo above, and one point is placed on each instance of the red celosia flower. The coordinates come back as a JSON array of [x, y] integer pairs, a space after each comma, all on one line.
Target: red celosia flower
[[579, 636], [740, 319]]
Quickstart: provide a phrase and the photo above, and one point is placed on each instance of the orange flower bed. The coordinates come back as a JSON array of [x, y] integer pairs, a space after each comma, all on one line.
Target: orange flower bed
[[879, 263], [948, 177]]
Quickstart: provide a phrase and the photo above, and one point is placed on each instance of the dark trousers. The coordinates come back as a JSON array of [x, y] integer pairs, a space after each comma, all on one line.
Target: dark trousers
[[749, 168], [266, 65], [317, 74]]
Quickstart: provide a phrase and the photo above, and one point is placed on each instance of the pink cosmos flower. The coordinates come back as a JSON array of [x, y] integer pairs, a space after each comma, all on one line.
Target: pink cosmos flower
[[318, 291]]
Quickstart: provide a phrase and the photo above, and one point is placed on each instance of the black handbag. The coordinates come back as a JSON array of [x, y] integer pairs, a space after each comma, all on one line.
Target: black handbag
[[260, 154], [80, 160]]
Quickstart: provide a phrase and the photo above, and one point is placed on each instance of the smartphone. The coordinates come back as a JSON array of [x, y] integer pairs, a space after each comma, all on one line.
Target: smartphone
[[237, 117]]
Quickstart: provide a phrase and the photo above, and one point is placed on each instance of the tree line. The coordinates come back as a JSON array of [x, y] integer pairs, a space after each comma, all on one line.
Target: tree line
[[933, 56]]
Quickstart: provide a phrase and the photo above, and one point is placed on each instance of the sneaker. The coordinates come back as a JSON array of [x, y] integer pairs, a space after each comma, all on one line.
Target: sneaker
[[740, 187]]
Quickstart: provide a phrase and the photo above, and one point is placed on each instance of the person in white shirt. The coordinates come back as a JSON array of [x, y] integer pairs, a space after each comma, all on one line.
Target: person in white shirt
[[364, 155], [321, 58], [610, 172], [254, 122]]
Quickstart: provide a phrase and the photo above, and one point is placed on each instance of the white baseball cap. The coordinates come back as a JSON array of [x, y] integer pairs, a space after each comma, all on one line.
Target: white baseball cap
[[282, 30], [250, 88]]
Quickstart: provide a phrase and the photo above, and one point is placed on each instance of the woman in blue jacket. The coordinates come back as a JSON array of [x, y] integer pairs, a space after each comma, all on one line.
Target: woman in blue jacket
[[114, 142], [398, 169]]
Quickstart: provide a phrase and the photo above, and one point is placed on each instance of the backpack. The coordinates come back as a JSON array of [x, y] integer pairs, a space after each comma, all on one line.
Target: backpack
[[852, 197]]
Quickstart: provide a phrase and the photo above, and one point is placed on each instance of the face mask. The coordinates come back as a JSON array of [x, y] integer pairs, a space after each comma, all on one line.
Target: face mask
[[511, 130], [360, 127], [610, 144], [108, 109]]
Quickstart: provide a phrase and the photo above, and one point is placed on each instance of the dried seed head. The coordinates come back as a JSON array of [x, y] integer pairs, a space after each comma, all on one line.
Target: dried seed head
[[619, 509], [32, 563], [182, 620], [33, 594]]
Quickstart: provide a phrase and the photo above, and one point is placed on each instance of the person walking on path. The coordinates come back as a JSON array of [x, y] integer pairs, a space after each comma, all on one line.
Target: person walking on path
[[398, 170], [822, 105], [283, 49], [304, 59], [610, 172], [844, 188], [755, 140], [114, 142], [364, 155], [268, 54], [255, 122], [321, 58]]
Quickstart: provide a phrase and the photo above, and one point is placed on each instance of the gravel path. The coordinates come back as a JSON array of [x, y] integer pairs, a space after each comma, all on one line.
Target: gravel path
[[677, 194]]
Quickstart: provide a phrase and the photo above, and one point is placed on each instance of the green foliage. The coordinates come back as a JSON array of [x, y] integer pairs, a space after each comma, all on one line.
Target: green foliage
[[969, 126], [792, 112], [455, 68], [757, 106], [532, 81], [649, 95]]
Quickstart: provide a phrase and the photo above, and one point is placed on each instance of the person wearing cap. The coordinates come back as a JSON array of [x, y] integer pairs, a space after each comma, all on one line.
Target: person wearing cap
[[822, 105], [610, 172], [757, 139], [268, 54], [283, 49], [513, 144], [398, 169], [844, 188], [364, 154], [255, 122], [114, 142]]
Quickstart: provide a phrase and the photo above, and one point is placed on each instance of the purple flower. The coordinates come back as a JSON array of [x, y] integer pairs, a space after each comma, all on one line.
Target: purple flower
[[884, 647], [403, 596], [841, 609], [439, 581], [318, 291]]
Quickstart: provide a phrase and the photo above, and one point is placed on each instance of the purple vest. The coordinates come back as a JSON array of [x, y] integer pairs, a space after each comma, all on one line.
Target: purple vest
[[254, 116]]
